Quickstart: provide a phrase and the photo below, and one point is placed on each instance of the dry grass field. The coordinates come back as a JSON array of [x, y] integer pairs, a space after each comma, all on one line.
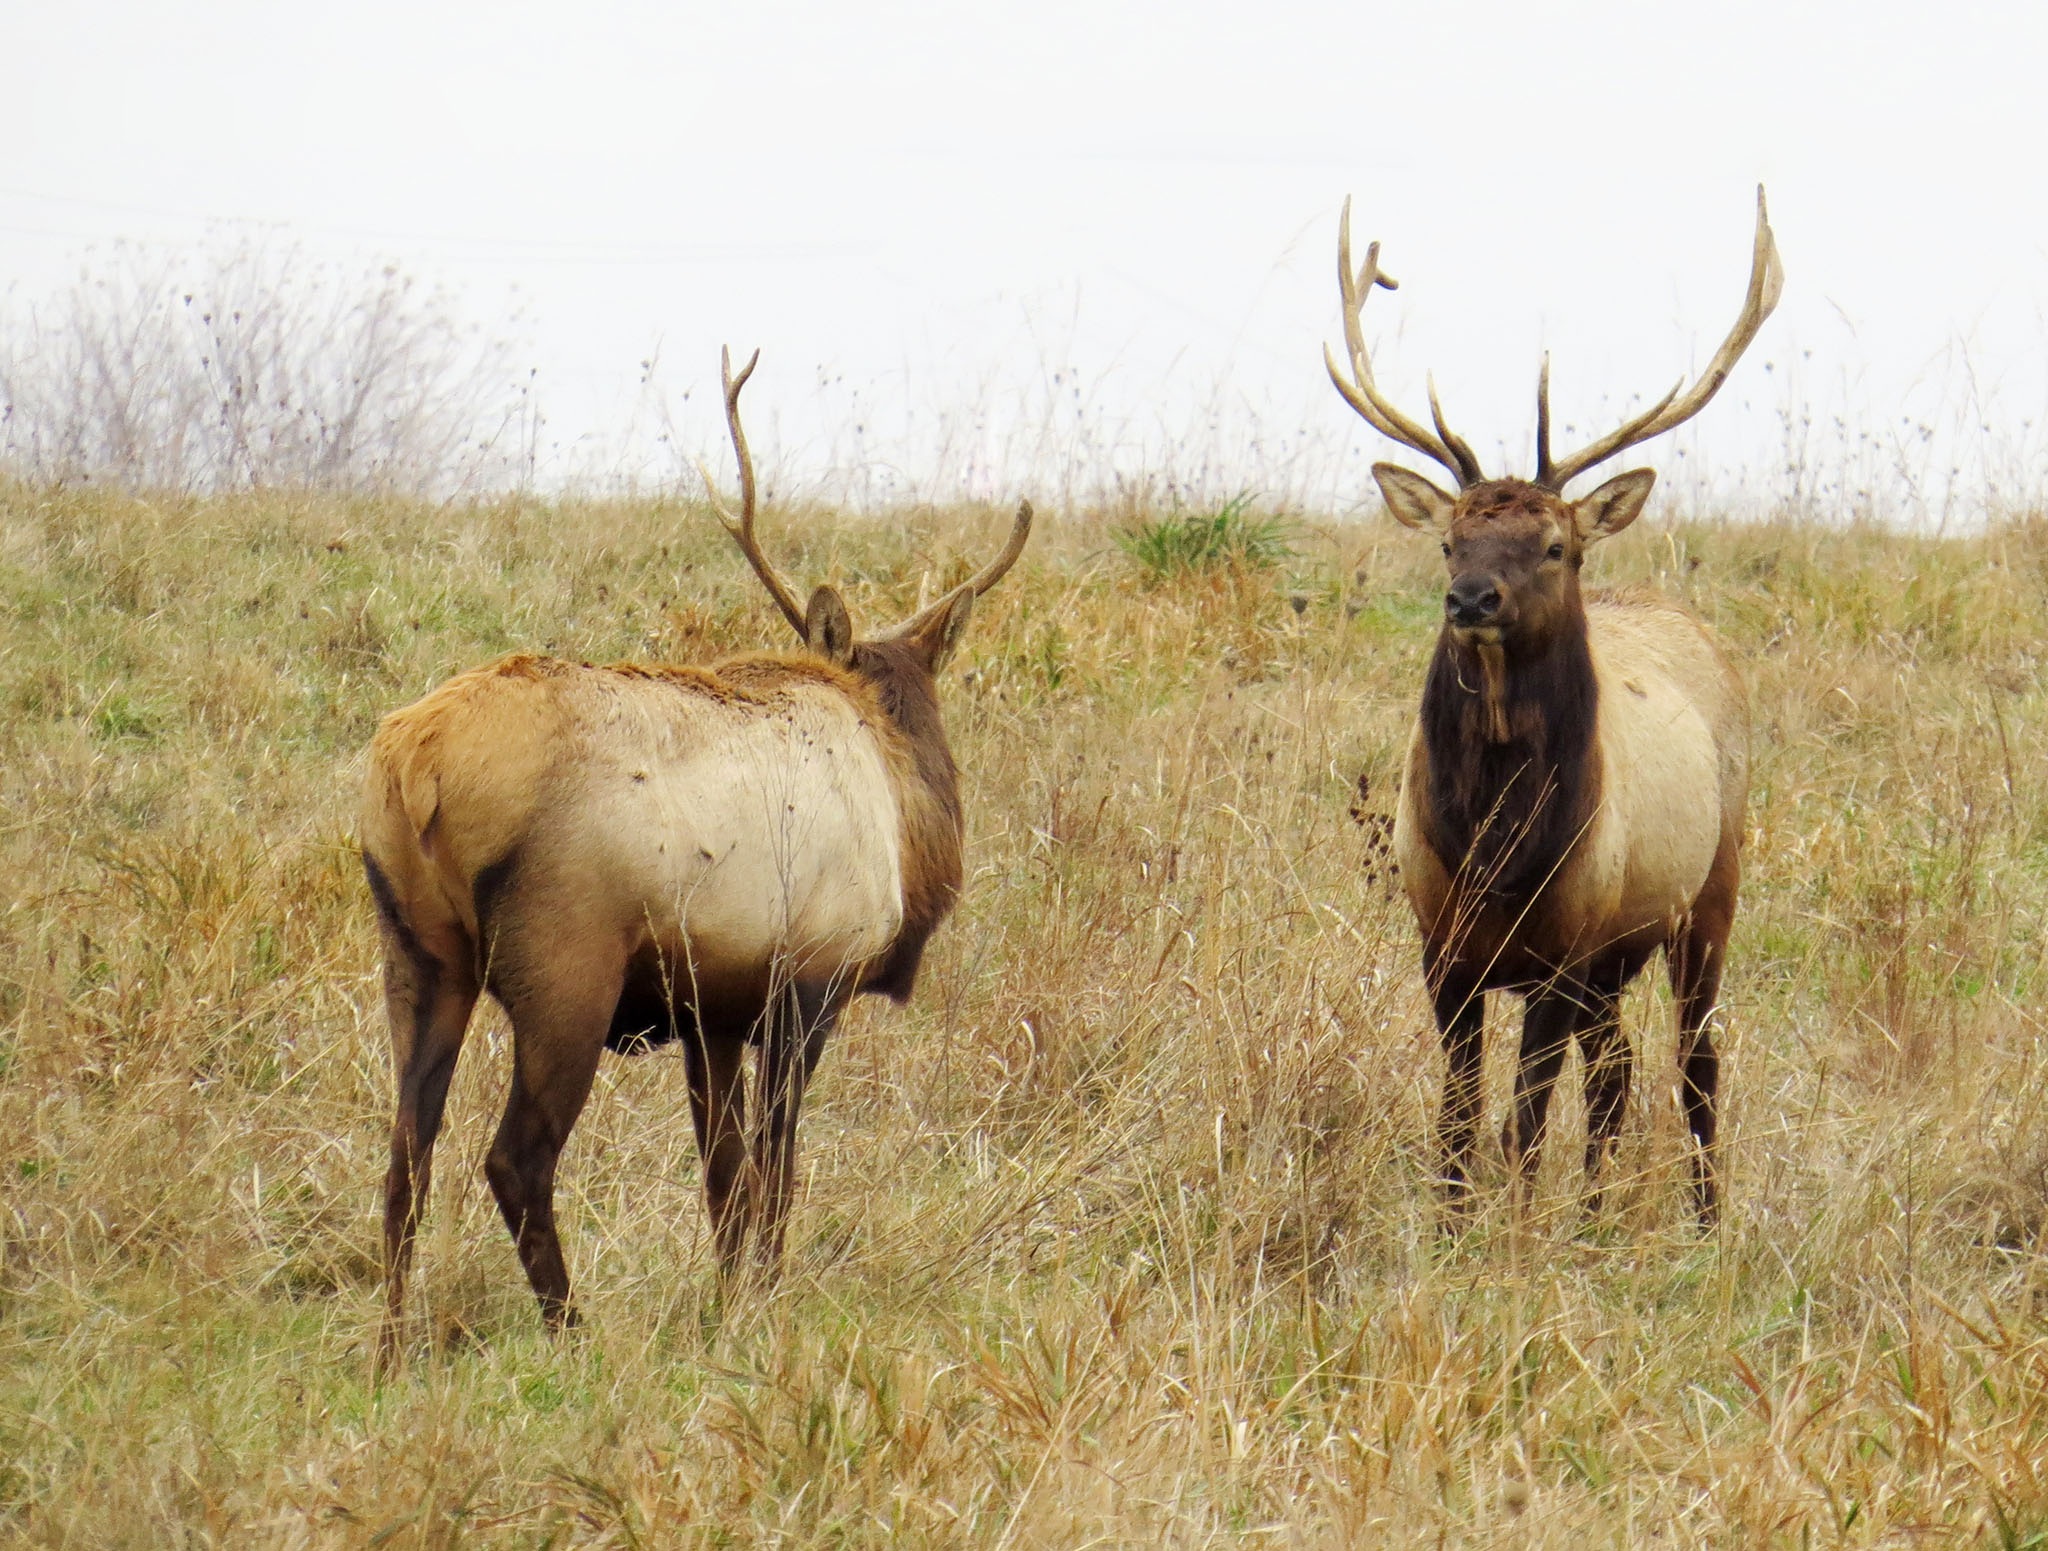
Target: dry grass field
[[1122, 1233]]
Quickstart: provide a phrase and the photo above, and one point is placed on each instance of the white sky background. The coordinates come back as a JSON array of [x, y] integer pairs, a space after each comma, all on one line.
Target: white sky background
[[1038, 248]]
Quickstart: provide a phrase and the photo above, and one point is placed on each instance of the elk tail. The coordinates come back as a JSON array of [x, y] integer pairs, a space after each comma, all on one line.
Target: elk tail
[[402, 794], [419, 789]]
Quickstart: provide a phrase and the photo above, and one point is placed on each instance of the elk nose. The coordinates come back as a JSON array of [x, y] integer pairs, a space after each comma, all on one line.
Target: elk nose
[[1471, 601]]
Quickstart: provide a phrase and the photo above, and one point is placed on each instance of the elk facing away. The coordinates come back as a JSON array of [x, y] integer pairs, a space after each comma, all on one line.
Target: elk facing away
[[629, 855], [1573, 793]]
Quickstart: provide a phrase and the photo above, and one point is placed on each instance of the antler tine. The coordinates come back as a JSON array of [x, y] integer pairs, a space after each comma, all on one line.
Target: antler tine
[[1543, 470], [742, 527], [1766, 284], [1468, 461], [998, 568], [1360, 391], [979, 583]]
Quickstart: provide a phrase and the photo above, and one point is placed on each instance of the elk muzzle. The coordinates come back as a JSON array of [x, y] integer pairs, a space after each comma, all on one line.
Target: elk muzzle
[[1473, 602]]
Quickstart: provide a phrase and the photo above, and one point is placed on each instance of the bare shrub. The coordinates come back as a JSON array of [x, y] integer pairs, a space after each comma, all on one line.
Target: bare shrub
[[244, 365]]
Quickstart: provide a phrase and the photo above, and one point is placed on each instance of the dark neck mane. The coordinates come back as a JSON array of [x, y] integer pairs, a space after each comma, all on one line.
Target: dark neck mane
[[1501, 816], [933, 824]]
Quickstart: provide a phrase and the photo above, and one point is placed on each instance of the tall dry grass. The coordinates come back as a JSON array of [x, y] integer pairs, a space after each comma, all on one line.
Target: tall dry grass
[[1122, 1233]]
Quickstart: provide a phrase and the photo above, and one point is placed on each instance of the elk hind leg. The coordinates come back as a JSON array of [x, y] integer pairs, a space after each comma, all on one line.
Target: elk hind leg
[[558, 1033], [428, 1001], [1695, 957]]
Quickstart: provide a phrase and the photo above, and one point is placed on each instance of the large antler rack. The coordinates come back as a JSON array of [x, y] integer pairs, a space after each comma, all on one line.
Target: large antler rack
[[742, 527], [979, 583], [1362, 393], [1766, 283]]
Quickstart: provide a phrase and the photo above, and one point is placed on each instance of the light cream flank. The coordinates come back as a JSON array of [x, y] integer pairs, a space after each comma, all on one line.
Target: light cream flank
[[1673, 726], [776, 837]]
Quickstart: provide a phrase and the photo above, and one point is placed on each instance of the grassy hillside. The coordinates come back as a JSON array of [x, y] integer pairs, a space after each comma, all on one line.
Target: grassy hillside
[[1122, 1232]]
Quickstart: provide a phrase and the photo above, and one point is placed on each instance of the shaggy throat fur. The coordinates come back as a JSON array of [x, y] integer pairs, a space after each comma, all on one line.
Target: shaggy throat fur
[[1512, 774]]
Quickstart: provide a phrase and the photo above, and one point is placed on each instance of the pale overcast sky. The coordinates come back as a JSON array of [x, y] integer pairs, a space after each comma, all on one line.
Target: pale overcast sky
[[924, 213]]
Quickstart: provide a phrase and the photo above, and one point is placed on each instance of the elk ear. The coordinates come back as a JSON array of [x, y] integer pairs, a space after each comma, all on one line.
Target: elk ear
[[828, 628], [944, 634], [1414, 501], [1613, 506]]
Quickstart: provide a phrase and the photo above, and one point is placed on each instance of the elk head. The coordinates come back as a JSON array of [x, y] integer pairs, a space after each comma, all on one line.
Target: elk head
[[902, 661], [1513, 546]]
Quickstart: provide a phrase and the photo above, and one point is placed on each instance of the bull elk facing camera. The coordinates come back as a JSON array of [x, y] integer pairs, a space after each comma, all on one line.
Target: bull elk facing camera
[[623, 856], [1572, 798]]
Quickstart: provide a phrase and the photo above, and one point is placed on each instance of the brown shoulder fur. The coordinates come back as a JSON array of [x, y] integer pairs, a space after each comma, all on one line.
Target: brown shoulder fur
[[760, 676], [766, 671], [687, 677]]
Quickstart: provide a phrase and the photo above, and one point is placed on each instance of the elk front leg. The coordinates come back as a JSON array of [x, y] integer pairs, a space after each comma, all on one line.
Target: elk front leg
[[718, 1109], [1460, 1008], [799, 1021], [1546, 1029]]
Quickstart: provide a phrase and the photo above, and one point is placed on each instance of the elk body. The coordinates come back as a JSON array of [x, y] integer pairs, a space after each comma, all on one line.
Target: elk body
[[1573, 793], [624, 856]]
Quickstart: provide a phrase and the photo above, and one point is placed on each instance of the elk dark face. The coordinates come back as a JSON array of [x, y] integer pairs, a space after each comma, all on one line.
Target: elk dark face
[[1513, 561], [1512, 549]]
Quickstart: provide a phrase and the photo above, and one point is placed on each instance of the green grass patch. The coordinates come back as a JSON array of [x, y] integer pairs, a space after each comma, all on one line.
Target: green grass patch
[[1232, 537]]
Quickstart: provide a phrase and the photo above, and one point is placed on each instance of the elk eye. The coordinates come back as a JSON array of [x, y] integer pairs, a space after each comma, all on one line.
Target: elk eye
[[1557, 551], [1447, 551]]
